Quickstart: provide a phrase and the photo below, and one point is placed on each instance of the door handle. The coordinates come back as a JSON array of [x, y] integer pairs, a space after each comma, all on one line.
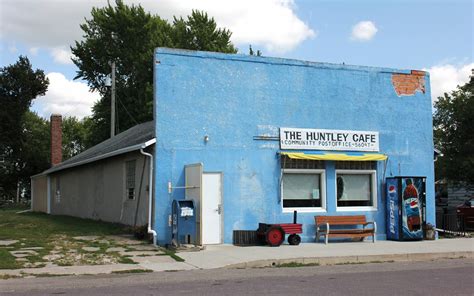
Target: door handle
[[219, 209]]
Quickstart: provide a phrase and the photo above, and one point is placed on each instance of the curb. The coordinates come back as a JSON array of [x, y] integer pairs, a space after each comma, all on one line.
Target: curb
[[70, 270], [302, 261], [339, 260]]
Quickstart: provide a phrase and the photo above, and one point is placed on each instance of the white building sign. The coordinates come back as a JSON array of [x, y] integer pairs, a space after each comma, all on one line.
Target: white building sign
[[322, 139]]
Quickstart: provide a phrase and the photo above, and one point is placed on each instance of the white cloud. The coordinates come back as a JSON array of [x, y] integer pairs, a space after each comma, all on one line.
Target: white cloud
[[61, 55], [49, 23], [34, 51], [272, 24], [66, 97], [364, 31], [445, 78]]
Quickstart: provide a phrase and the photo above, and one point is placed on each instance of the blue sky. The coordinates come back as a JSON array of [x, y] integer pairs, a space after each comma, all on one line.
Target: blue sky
[[411, 34], [433, 35]]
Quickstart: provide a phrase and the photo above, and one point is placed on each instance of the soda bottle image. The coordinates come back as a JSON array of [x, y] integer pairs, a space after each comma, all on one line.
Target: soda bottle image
[[411, 206]]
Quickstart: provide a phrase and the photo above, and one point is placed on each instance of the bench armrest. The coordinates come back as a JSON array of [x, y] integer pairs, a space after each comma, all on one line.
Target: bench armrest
[[369, 223], [320, 231], [375, 229], [326, 225]]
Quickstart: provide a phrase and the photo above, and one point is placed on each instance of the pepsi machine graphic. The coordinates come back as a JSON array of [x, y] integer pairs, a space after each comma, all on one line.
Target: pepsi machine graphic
[[405, 207]]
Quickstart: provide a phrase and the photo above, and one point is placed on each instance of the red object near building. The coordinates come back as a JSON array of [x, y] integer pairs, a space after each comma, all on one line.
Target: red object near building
[[274, 234], [466, 213], [56, 139]]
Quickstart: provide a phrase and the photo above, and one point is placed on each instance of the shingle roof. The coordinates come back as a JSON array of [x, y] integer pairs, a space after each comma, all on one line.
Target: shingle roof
[[132, 139]]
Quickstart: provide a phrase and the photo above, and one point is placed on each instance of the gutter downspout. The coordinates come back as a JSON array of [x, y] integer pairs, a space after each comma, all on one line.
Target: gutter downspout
[[150, 195], [48, 195]]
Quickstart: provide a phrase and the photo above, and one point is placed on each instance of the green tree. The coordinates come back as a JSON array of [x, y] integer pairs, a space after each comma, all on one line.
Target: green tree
[[19, 85], [200, 32], [35, 147], [30, 158], [128, 35], [454, 134], [252, 52], [75, 135]]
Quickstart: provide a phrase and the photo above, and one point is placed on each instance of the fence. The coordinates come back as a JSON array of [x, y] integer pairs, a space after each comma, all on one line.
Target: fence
[[451, 224]]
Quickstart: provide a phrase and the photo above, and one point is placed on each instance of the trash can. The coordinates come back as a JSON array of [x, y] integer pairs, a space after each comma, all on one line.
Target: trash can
[[183, 222], [429, 231]]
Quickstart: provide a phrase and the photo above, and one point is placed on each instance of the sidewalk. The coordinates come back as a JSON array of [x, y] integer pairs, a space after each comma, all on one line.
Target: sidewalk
[[229, 256]]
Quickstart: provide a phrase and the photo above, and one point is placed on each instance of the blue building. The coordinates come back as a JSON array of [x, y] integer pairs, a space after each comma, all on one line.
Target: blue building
[[251, 139]]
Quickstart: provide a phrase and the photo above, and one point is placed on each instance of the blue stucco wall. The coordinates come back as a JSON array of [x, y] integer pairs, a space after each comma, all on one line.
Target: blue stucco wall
[[232, 98]]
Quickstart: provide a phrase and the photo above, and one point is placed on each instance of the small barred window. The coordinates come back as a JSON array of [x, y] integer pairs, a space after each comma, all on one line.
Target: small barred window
[[130, 178]]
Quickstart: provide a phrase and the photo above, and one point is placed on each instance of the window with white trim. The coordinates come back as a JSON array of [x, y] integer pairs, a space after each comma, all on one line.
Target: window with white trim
[[356, 188], [130, 179], [303, 189], [303, 185]]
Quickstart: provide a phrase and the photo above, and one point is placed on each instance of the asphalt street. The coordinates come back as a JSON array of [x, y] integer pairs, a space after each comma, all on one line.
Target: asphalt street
[[441, 277]]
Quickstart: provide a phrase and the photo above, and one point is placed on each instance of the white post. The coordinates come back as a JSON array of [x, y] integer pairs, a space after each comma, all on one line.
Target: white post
[[18, 192]]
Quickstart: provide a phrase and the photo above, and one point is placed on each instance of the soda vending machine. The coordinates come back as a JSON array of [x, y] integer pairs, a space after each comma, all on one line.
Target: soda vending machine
[[406, 205]]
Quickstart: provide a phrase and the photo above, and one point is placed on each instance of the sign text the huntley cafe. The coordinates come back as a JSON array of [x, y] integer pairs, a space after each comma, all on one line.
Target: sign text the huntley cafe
[[322, 139]]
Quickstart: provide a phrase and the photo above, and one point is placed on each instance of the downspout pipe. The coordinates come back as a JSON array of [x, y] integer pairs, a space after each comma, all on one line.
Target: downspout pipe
[[150, 195]]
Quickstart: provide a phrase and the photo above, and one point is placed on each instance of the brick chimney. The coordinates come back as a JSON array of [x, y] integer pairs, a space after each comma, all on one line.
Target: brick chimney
[[56, 139]]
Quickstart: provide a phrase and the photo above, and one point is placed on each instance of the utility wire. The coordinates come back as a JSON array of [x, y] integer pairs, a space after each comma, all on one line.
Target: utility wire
[[126, 110]]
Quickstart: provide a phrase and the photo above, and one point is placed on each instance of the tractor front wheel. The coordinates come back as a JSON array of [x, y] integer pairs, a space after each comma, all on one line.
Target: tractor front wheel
[[294, 239], [275, 236]]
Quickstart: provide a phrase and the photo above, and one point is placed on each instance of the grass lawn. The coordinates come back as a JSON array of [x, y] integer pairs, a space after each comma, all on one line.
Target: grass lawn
[[45, 231], [39, 227]]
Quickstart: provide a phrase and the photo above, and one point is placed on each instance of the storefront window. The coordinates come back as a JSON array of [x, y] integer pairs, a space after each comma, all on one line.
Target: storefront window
[[303, 189], [355, 188]]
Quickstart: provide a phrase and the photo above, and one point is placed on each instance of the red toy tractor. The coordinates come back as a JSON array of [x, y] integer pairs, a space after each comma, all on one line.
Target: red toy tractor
[[274, 234]]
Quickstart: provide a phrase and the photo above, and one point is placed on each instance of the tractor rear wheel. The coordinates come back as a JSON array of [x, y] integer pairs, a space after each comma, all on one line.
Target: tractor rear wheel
[[294, 239], [275, 236]]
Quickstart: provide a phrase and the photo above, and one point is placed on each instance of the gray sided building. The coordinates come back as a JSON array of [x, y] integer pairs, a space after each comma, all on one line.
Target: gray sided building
[[108, 182]]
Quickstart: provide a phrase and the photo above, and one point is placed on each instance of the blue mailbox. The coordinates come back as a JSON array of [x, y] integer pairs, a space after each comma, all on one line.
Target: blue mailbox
[[183, 222]]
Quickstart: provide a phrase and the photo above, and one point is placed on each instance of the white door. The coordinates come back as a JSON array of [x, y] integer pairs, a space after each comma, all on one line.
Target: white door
[[211, 208]]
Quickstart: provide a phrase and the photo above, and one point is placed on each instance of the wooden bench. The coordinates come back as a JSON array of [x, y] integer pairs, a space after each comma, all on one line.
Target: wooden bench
[[324, 227]]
